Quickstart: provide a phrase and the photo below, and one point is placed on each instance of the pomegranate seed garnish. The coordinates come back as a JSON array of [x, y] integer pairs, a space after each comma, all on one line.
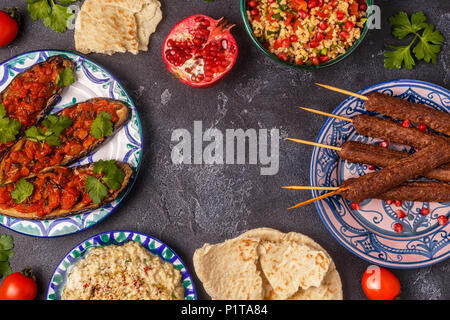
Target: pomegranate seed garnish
[[389, 202], [384, 144], [401, 214], [355, 206], [371, 167], [422, 127], [406, 124], [442, 220], [398, 227], [398, 203], [424, 211]]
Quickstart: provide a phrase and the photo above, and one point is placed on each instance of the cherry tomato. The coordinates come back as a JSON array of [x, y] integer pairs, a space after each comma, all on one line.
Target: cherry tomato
[[315, 61], [380, 284], [9, 29], [19, 286]]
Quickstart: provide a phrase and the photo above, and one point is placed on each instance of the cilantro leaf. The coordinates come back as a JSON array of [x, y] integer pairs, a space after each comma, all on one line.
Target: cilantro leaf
[[23, 190], [5, 268], [6, 242], [402, 26], [54, 126], [429, 44], [113, 175], [97, 190], [65, 78], [6, 255], [102, 126], [9, 128], [53, 15], [398, 56], [38, 9]]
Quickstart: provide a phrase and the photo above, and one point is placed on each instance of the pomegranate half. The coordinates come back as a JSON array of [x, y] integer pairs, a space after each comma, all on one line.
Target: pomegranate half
[[200, 50]]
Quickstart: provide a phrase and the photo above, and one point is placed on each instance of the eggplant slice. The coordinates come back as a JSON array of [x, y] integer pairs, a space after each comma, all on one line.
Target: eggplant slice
[[61, 62], [124, 114], [79, 207]]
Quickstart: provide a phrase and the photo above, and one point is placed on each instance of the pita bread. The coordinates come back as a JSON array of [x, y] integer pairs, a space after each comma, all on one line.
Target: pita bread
[[228, 270], [312, 277], [110, 26], [289, 266]]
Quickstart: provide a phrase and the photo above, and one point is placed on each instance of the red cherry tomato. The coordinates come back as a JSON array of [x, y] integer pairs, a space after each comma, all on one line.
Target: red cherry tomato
[[8, 29], [19, 286], [380, 284]]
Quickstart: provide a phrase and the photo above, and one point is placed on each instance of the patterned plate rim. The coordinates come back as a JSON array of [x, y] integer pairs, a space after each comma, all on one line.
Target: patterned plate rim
[[185, 274], [322, 211], [134, 176]]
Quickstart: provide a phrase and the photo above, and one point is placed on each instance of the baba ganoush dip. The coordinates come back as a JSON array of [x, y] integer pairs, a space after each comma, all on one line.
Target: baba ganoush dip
[[126, 272]]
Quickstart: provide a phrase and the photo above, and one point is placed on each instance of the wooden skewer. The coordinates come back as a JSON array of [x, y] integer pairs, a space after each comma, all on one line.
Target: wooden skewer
[[310, 188], [349, 93], [327, 114], [315, 144], [327, 195]]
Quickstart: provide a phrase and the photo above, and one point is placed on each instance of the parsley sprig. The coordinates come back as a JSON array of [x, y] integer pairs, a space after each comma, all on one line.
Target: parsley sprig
[[9, 128], [6, 253], [111, 175], [22, 190], [102, 126], [426, 45], [54, 126], [53, 15]]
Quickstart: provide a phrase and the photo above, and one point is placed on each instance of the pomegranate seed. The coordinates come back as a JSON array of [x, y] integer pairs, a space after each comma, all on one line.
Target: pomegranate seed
[[401, 214], [355, 206], [349, 26], [398, 227], [398, 203], [313, 4], [371, 167], [319, 36], [303, 14], [422, 127], [323, 58], [363, 7], [315, 61], [323, 25], [389, 202], [252, 4], [425, 211], [344, 34], [340, 15], [442, 220], [384, 144], [293, 38], [406, 124], [314, 44]]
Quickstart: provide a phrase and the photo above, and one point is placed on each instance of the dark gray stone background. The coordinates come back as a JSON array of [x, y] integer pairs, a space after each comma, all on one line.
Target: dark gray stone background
[[186, 206]]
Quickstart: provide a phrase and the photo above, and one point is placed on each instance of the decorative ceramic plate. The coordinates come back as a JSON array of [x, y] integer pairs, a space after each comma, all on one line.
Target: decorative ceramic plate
[[368, 232], [156, 247], [92, 81]]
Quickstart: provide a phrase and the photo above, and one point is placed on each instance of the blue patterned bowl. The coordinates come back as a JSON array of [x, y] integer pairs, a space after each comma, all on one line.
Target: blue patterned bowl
[[92, 81], [368, 232], [156, 247]]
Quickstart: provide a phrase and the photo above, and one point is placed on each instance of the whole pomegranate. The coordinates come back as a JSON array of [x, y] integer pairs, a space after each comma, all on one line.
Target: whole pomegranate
[[200, 50]]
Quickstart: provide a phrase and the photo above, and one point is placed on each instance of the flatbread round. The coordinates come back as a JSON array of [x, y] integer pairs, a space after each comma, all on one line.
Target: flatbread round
[[265, 263]]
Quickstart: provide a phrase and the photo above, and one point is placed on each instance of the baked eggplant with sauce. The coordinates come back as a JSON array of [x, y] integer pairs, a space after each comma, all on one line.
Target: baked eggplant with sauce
[[64, 137], [61, 191], [31, 95]]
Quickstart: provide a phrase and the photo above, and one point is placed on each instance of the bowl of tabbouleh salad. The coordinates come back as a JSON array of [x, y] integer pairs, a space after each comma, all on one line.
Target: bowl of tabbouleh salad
[[306, 34]]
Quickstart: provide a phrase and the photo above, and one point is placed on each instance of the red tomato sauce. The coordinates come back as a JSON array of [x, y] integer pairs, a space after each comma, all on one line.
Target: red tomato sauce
[[60, 188], [34, 156]]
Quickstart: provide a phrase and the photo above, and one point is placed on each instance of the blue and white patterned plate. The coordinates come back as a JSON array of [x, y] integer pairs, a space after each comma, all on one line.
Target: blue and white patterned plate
[[368, 232], [92, 81], [156, 247]]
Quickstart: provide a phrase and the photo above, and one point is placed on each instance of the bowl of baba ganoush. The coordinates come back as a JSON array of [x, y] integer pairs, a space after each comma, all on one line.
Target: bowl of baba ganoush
[[121, 265]]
